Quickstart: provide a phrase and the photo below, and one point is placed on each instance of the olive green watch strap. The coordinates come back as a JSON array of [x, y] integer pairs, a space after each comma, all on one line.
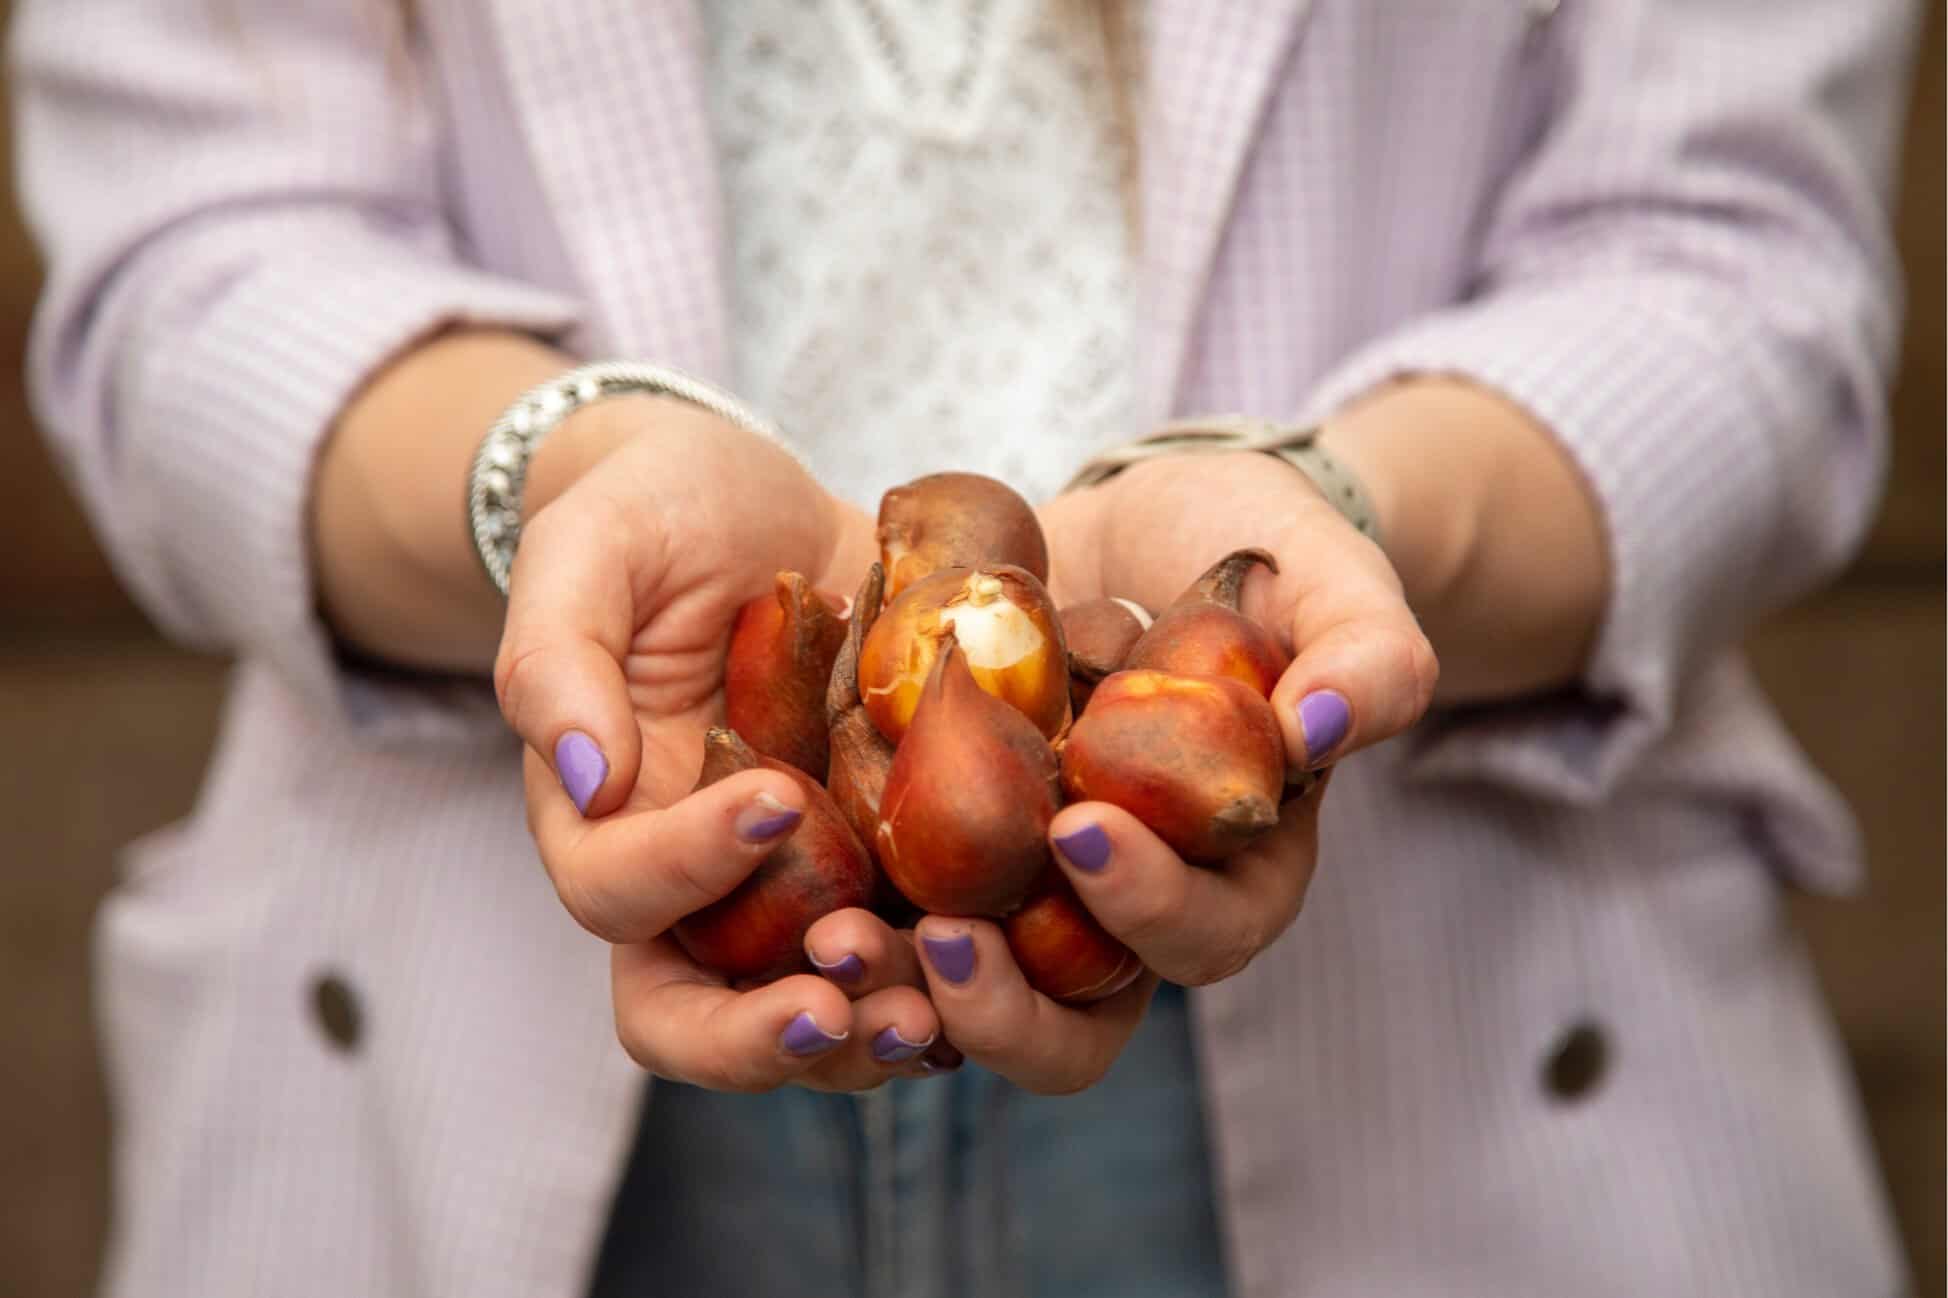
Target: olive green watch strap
[[1298, 447]]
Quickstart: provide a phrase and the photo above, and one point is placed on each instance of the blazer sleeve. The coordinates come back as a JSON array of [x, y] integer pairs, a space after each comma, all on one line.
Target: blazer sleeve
[[239, 204], [1690, 281]]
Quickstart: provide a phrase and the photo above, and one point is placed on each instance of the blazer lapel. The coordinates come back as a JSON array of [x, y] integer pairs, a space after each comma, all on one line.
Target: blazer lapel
[[611, 97], [1210, 70]]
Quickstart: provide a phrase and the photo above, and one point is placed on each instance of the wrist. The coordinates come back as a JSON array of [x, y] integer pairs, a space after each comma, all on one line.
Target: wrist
[[1402, 442]]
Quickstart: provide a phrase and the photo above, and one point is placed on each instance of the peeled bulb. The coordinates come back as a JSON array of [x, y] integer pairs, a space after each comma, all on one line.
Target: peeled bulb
[[1205, 634], [1198, 759], [1100, 633], [963, 827], [956, 520], [861, 757], [781, 653], [756, 932], [1009, 634], [1063, 952]]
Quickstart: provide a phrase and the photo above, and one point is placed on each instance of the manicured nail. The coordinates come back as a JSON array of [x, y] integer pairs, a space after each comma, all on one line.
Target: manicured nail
[[766, 818], [803, 1036], [581, 766], [951, 957], [928, 1068], [889, 1047], [847, 969], [1086, 848], [1324, 719]]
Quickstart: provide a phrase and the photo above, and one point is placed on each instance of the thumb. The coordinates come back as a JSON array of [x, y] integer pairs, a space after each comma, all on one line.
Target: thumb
[[558, 676], [1364, 670]]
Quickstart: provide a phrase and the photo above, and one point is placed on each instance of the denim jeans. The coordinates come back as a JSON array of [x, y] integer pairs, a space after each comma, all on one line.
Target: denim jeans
[[958, 1186]]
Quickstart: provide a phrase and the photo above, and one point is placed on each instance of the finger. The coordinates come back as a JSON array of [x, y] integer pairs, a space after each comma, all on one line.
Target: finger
[[683, 1024], [628, 877], [1194, 926], [1363, 671], [1000, 1022], [892, 1029], [862, 953], [558, 674]]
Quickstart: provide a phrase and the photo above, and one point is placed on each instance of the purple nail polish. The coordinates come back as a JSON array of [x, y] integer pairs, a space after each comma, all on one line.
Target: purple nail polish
[[803, 1036], [951, 957], [847, 969], [1086, 848], [1324, 719], [581, 766], [766, 818], [889, 1047]]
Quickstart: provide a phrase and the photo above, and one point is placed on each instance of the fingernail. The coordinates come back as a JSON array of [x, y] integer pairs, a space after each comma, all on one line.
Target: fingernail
[[581, 767], [951, 957], [1086, 848], [766, 818], [889, 1047], [848, 968], [1324, 718], [803, 1036], [928, 1068]]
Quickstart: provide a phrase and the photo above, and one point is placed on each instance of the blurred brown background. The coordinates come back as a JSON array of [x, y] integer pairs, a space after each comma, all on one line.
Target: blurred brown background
[[107, 728]]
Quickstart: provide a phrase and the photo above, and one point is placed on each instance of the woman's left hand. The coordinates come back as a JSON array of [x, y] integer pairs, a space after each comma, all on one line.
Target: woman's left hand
[[1362, 673]]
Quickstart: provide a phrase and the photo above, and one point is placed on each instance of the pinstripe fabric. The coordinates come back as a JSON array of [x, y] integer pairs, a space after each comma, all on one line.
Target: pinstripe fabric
[[1652, 222]]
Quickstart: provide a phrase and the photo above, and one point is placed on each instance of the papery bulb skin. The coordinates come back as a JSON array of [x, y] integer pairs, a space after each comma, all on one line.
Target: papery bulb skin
[[861, 757], [1063, 952], [963, 826], [956, 520], [1101, 633], [1198, 759], [1205, 634], [775, 676], [756, 932], [1009, 634]]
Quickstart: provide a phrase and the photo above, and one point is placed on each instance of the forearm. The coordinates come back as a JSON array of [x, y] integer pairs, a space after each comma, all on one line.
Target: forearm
[[397, 575], [1496, 537]]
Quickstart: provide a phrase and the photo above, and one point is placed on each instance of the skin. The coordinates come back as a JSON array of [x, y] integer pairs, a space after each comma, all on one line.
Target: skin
[[634, 561]]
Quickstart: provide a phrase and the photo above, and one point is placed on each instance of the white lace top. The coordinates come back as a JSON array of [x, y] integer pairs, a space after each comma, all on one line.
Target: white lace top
[[930, 246]]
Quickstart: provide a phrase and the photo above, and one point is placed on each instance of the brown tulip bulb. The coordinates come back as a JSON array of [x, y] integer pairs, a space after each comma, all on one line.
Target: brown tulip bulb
[[861, 756], [1063, 952], [775, 676], [1100, 634], [963, 825], [1198, 759], [956, 520], [1205, 634], [1009, 634], [756, 932]]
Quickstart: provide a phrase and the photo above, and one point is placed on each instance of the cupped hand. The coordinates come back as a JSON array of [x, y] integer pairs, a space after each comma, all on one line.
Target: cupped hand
[[1362, 672], [651, 530]]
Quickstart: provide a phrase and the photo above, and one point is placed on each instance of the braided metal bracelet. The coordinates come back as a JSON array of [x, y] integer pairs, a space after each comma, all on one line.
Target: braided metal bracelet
[[498, 478], [1298, 447]]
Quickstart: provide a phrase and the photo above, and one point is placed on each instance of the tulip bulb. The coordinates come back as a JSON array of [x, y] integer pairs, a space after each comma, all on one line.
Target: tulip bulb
[[1205, 634], [861, 757], [781, 652], [1100, 633], [1009, 634], [1063, 952], [1198, 759], [963, 826], [756, 932], [956, 520]]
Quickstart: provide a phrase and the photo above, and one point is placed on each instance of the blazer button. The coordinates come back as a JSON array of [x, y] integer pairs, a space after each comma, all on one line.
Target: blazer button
[[1575, 1068], [335, 1007]]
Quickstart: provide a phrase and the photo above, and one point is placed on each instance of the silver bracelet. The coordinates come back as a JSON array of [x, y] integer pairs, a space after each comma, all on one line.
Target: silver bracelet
[[499, 475], [1298, 447]]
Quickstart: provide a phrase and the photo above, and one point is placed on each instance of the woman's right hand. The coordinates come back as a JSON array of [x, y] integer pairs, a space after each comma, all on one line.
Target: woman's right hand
[[656, 523]]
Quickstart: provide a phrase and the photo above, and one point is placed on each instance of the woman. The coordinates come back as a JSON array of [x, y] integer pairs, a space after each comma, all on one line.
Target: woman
[[1593, 299]]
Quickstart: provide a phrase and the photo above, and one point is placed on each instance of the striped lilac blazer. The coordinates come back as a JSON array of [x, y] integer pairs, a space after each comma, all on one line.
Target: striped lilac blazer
[[357, 1048]]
